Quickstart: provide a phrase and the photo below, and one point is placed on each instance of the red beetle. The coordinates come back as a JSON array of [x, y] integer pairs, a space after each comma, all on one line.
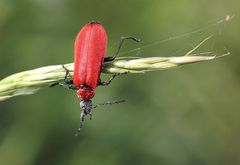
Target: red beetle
[[89, 52], [89, 55]]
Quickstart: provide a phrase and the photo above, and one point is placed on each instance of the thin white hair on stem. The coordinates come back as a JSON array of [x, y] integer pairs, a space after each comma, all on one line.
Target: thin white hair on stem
[[198, 45], [209, 25]]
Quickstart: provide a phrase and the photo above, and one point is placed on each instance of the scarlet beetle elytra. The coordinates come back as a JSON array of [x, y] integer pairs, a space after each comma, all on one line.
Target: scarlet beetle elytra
[[89, 55]]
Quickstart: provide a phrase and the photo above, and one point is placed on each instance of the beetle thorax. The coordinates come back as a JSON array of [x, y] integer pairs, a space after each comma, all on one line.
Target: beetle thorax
[[85, 93]]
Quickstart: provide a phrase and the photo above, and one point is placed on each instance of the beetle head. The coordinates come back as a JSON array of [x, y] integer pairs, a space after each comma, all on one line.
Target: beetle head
[[86, 106]]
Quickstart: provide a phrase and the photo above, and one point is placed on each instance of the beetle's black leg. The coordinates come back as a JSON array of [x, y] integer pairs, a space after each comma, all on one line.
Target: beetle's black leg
[[106, 59], [69, 82], [104, 83], [68, 86], [66, 80]]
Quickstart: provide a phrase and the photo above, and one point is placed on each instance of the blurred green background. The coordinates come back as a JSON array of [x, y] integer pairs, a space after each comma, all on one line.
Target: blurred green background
[[188, 115]]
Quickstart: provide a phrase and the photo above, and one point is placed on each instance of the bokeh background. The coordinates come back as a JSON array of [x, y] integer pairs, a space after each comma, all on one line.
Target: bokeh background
[[188, 115]]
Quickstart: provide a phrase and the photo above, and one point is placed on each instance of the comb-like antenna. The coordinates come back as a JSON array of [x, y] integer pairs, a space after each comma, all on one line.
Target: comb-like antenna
[[109, 103], [82, 114]]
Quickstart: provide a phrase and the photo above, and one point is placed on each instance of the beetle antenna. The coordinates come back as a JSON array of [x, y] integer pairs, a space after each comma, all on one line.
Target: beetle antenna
[[109, 103], [82, 114]]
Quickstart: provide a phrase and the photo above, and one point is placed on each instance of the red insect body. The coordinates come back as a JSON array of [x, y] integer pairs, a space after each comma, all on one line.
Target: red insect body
[[89, 52]]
